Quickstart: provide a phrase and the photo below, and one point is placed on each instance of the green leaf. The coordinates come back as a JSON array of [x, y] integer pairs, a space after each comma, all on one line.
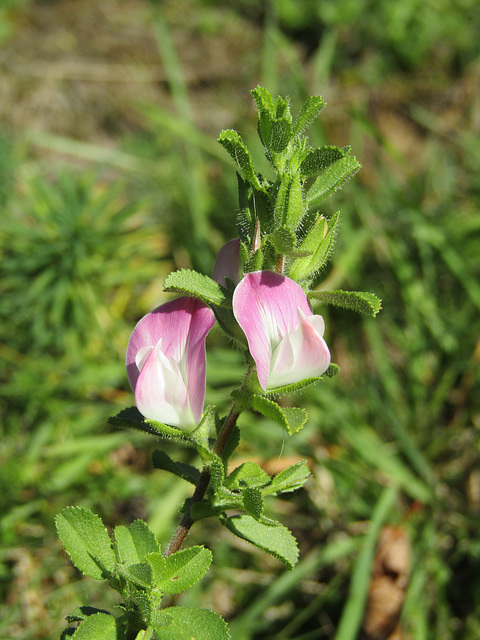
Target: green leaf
[[248, 474], [289, 479], [217, 472], [274, 120], [86, 541], [319, 159], [275, 540], [82, 613], [284, 240], [183, 470], [134, 542], [188, 623], [292, 419], [235, 147], [289, 208], [308, 113], [320, 243], [332, 178], [181, 570], [361, 301], [253, 501], [194, 284], [100, 626], [139, 574], [131, 418]]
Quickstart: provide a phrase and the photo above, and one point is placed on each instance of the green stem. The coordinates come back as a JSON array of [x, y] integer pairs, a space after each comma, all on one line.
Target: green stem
[[203, 482]]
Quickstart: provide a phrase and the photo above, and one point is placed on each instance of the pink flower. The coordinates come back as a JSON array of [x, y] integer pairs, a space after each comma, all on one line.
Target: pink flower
[[284, 337], [227, 264], [166, 362]]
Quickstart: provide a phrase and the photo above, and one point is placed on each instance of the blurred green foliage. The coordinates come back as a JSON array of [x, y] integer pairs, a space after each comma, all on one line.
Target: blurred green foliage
[[394, 439]]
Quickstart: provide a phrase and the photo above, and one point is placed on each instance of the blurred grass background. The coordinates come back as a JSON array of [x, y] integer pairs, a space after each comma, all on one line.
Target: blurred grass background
[[110, 177]]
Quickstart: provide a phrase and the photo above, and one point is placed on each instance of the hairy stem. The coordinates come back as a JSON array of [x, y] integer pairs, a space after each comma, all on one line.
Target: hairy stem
[[203, 482]]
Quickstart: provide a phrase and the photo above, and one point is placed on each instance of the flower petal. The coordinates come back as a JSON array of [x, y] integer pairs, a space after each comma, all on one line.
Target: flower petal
[[265, 306], [166, 361], [227, 264], [303, 353]]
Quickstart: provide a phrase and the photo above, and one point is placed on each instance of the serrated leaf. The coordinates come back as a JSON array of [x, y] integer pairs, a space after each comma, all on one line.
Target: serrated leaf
[[274, 120], [248, 474], [139, 574], [131, 418], [332, 178], [289, 479], [291, 419], [281, 134], [275, 540], [217, 472], [134, 542], [235, 147], [82, 613], [253, 501], [183, 470], [181, 570], [319, 159], [191, 283], [86, 541], [188, 623], [322, 246], [308, 113], [360, 301], [284, 240], [100, 626]]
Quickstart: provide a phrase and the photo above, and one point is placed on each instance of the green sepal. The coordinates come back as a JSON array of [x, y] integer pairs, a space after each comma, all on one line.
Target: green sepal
[[253, 501], [191, 283], [248, 474], [233, 144], [318, 160], [86, 541], [292, 419], [183, 470], [290, 479], [188, 623], [332, 178], [360, 301], [82, 613], [308, 113], [321, 243], [274, 539], [179, 571], [96, 626]]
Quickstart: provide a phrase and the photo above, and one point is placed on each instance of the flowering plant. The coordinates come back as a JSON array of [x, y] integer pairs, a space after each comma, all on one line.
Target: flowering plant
[[260, 294]]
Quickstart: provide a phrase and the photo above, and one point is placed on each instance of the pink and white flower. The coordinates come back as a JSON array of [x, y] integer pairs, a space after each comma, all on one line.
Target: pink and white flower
[[166, 362], [227, 264], [284, 338]]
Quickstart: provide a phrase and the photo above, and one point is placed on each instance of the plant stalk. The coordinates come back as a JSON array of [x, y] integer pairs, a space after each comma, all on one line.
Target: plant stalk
[[203, 482]]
